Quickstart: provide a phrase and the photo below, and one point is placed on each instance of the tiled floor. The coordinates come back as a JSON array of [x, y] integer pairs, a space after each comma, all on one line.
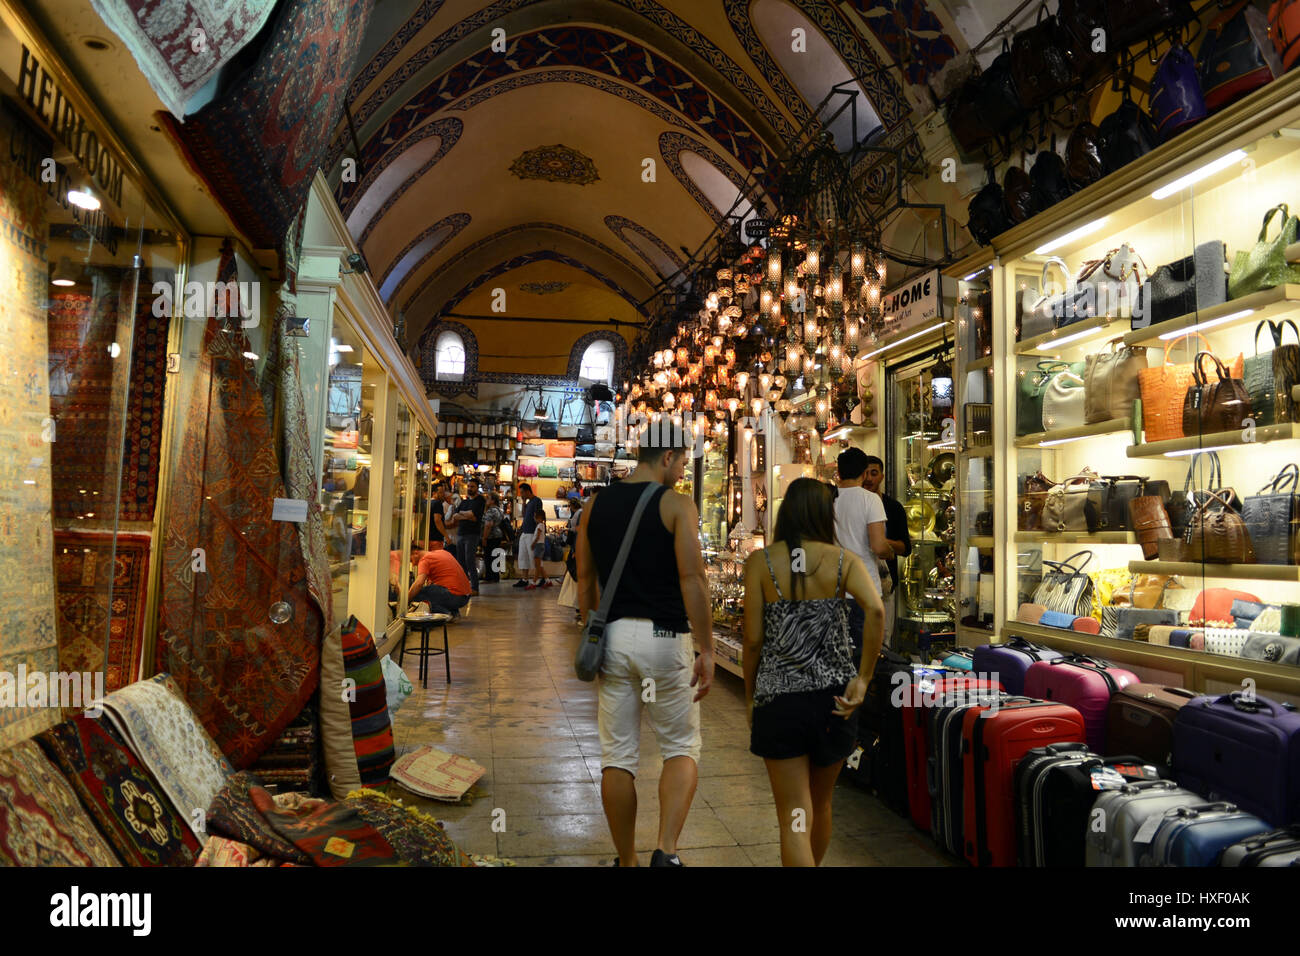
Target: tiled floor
[[515, 706]]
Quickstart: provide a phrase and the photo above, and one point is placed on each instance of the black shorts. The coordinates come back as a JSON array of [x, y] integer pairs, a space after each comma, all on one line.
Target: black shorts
[[804, 723]]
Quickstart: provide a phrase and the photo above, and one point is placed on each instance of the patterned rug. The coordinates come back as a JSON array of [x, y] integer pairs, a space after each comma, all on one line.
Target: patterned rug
[[161, 36], [161, 731], [100, 591], [440, 776], [126, 804], [257, 146], [293, 762], [245, 676], [232, 815], [41, 822], [418, 838], [330, 833], [89, 441]]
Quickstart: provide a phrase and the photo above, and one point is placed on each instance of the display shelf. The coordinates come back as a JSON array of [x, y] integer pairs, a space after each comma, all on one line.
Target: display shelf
[[1214, 441], [728, 653], [1228, 572], [1076, 335], [979, 451], [970, 636], [1062, 435], [1077, 537], [1269, 304], [979, 540], [979, 364]]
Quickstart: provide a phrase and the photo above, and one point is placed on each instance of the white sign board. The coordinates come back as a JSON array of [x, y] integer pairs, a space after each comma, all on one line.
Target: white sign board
[[916, 301]]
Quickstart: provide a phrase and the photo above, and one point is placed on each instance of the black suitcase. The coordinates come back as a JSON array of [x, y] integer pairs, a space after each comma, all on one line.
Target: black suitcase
[[882, 765], [945, 776], [1056, 787], [1276, 848]]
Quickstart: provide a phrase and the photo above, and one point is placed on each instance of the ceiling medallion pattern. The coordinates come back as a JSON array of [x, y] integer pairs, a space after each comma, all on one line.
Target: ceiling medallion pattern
[[549, 287], [617, 225], [671, 145], [590, 48], [556, 164]]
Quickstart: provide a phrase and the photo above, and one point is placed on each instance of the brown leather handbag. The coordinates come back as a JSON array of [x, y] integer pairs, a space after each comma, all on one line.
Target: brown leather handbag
[[1037, 486], [1111, 381], [1067, 506], [1214, 407], [1149, 519], [1220, 535]]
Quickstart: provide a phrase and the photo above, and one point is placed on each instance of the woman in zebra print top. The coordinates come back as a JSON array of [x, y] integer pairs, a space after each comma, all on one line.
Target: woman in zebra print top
[[802, 685]]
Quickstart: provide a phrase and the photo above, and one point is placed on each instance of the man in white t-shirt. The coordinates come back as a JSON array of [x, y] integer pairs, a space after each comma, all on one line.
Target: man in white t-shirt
[[860, 527]]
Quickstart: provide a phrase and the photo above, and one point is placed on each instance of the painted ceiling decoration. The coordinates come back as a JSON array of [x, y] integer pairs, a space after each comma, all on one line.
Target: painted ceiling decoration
[[404, 266], [621, 352], [555, 164], [619, 225], [468, 383], [542, 255], [673, 144], [451, 265], [912, 34], [549, 287], [447, 130]]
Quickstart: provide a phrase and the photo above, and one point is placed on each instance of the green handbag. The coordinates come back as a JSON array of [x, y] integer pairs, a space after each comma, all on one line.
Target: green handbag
[[1265, 265], [1030, 389], [548, 469]]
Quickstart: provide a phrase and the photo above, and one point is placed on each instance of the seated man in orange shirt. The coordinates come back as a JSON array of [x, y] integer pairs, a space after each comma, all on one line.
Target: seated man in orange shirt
[[441, 581]]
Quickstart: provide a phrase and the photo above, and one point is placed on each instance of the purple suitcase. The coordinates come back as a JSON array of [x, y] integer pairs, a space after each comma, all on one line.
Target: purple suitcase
[[1009, 661], [1243, 750], [1085, 683]]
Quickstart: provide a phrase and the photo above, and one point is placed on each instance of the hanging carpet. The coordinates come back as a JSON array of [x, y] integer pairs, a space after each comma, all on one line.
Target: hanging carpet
[[226, 564], [126, 804], [41, 822], [257, 146]]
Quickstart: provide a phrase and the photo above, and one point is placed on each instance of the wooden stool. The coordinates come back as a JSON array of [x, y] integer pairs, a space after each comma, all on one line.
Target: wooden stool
[[425, 623]]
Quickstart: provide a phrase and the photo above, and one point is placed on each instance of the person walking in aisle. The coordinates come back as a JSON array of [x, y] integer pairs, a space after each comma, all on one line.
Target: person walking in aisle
[[532, 532], [494, 521], [468, 521], [803, 680], [660, 603], [896, 535], [859, 526]]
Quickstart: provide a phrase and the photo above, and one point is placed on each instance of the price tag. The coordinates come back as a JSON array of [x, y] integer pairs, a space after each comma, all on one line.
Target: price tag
[[1147, 831], [855, 758], [289, 509], [1105, 778]]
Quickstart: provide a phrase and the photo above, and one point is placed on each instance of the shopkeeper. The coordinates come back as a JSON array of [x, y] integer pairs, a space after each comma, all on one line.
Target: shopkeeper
[[440, 581]]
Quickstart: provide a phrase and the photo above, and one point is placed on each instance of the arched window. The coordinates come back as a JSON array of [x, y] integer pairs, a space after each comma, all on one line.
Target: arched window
[[449, 361], [598, 363]]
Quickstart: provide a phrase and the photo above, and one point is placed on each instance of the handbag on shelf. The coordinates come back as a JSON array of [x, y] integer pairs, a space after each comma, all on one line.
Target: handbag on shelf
[[1272, 518], [566, 432], [586, 451], [964, 122], [1111, 285], [1149, 519], [1163, 389], [1044, 311], [1126, 134], [986, 216], [1111, 381], [1210, 407], [1037, 487], [1190, 285], [1030, 613], [1067, 506], [1065, 587], [1228, 641], [1108, 587], [1284, 28], [1264, 264], [1063, 401], [533, 450], [1236, 56], [1271, 376], [1083, 155], [1049, 178], [1217, 535], [1149, 591], [529, 432], [1127, 618], [1041, 64], [1271, 647], [1079, 20], [1111, 495], [1176, 99], [585, 435], [548, 469], [561, 449], [1031, 387], [1182, 506], [1132, 21], [998, 100], [548, 430], [1018, 194]]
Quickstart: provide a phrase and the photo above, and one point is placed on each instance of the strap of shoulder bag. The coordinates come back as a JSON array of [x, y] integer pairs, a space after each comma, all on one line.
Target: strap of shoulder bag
[[607, 595]]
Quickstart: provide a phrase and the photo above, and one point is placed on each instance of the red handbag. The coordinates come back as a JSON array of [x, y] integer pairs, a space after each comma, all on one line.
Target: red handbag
[[1215, 604], [1284, 30]]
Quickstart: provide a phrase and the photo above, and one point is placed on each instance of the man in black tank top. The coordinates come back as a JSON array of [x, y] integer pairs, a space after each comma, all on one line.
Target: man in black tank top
[[661, 601]]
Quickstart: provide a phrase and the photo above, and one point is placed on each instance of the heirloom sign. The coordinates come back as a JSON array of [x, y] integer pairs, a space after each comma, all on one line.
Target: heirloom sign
[[916, 301]]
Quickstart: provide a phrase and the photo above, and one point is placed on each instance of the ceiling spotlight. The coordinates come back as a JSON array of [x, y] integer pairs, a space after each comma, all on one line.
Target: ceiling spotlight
[[83, 199], [63, 273]]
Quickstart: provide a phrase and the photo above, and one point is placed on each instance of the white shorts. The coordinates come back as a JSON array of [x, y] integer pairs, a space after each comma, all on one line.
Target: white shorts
[[525, 559], [636, 651]]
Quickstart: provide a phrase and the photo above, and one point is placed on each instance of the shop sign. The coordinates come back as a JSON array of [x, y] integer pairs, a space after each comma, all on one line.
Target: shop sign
[[918, 300]]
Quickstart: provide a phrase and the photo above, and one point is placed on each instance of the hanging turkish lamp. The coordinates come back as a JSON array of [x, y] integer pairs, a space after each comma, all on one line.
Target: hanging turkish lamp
[[812, 259], [742, 381], [710, 400], [857, 265], [730, 356], [834, 291], [733, 405], [851, 329], [822, 412]]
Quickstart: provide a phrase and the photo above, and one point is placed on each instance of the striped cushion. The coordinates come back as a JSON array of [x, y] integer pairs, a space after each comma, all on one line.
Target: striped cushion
[[372, 731]]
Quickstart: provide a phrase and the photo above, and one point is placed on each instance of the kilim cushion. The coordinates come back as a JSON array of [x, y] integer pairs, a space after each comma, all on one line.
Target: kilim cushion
[[372, 731]]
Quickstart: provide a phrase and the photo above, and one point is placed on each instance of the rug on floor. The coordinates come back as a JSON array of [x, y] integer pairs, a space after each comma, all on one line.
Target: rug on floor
[[101, 585], [162, 732], [418, 838], [330, 833], [436, 774], [41, 822], [125, 803], [257, 146], [232, 815]]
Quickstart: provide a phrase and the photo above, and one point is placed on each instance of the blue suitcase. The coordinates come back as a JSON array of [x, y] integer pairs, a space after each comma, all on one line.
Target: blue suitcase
[[1243, 750], [960, 659], [1198, 835], [1010, 660]]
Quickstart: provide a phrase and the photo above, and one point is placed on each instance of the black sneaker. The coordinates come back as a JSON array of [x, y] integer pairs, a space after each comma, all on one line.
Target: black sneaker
[[660, 858], [521, 583]]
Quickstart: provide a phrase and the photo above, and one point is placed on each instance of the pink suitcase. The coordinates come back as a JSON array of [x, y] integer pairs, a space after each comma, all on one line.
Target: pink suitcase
[[1084, 683]]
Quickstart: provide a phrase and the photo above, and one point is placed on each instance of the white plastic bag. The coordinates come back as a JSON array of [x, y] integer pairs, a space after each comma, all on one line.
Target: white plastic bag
[[397, 685]]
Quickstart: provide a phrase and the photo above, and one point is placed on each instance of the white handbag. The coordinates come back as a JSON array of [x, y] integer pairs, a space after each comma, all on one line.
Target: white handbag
[[1063, 402], [1113, 282], [1043, 310]]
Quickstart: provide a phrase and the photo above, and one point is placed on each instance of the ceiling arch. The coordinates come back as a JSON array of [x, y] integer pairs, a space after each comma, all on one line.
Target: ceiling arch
[[543, 255], [714, 201], [388, 181], [418, 251], [659, 256]]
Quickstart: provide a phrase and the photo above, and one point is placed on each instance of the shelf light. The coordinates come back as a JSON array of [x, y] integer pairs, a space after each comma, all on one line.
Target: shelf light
[[1061, 441], [1055, 344], [1202, 326], [1070, 237], [1196, 175], [342, 347], [942, 444], [975, 273], [914, 335], [1196, 451]]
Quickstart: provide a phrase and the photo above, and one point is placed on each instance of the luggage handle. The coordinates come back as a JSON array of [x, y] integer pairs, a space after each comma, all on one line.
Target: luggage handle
[[1195, 811], [1253, 705]]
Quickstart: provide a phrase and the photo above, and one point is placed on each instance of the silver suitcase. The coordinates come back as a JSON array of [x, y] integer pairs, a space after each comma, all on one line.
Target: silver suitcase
[[1118, 817], [1276, 848]]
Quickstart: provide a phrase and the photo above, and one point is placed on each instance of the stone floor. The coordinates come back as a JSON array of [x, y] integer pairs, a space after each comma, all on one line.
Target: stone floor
[[515, 706]]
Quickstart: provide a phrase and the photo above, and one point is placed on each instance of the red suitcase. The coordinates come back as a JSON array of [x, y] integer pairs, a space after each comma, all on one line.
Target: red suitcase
[[992, 745], [1085, 683], [918, 699]]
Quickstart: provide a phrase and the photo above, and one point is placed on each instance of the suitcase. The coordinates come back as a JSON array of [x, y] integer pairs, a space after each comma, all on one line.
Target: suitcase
[[1056, 787], [880, 767], [992, 745], [1198, 835], [1276, 848], [1246, 751], [1084, 683], [1140, 720], [925, 696], [960, 659], [1118, 818], [1008, 661], [946, 774]]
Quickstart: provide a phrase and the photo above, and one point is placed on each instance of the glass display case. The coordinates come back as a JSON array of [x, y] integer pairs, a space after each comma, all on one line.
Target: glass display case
[[714, 499]]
